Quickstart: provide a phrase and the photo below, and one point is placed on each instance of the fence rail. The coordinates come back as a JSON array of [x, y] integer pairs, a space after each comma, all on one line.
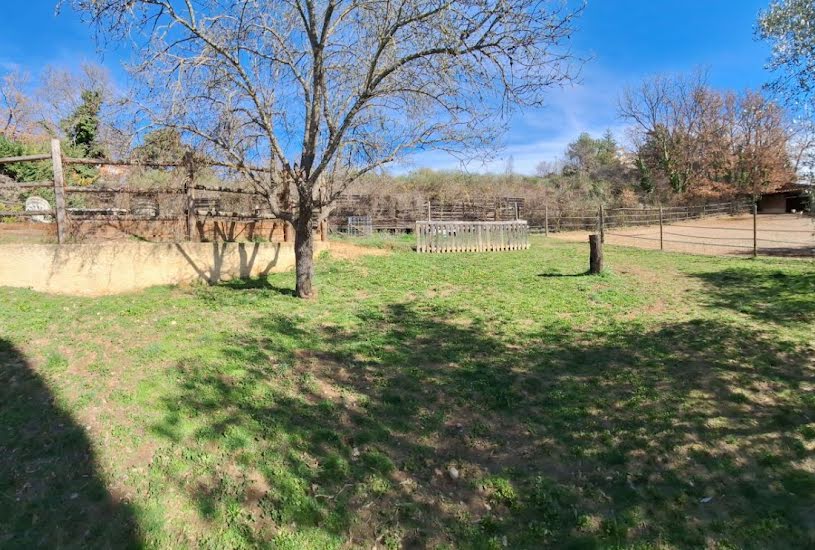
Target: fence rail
[[78, 207], [551, 220], [468, 236], [399, 214], [675, 229]]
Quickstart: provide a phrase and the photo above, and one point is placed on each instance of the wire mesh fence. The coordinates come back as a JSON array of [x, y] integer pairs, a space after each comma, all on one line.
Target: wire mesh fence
[[360, 226]]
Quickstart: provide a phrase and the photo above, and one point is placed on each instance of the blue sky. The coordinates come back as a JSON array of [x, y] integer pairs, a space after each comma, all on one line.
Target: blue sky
[[627, 39]]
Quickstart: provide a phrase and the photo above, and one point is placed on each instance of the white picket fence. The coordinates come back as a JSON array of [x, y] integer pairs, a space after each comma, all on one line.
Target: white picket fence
[[441, 236]]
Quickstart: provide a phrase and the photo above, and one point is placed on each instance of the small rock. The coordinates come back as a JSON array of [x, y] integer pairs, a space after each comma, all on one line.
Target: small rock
[[74, 496], [436, 472], [705, 500], [354, 453], [454, 473]]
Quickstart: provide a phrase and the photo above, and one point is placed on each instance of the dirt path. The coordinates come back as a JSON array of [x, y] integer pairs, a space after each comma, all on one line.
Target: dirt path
[[349, 251]]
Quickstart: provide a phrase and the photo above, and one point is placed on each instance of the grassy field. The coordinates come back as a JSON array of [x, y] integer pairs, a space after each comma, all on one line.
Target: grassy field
[[440, 401]]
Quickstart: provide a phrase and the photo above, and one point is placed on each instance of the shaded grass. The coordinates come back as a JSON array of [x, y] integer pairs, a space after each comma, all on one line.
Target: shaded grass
[[666, 403]]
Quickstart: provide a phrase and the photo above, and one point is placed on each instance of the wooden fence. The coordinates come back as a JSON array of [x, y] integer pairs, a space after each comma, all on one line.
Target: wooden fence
[[545, 219], [195, 208], [468, 236], [399, 213]]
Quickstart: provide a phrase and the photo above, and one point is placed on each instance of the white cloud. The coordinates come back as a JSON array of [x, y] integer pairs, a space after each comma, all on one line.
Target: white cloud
[[543, 134]]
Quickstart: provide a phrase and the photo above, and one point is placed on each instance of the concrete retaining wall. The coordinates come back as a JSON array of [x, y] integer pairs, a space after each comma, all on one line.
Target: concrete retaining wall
[[112, 268]]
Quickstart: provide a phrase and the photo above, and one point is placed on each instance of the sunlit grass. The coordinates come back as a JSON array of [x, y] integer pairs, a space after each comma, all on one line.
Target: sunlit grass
[[466, 400]]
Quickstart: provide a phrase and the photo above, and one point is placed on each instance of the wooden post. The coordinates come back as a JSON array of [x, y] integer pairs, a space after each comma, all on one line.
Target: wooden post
[[755, 230], [595, 254], [59, 189], [546, 219], [188, 194], [428, 209], [324, 230], [660, 228], [602, 224]]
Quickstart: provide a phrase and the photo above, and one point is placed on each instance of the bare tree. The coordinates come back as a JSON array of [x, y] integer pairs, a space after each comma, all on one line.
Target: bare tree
[[665, 112], [60, 93], [306, 96], [34, 108], [16, 108]]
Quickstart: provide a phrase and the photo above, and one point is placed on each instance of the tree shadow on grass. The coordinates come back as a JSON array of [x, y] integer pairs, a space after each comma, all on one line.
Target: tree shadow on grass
[[781, 297], [51, 494], [419, 426], [558, 274], [256, 283]]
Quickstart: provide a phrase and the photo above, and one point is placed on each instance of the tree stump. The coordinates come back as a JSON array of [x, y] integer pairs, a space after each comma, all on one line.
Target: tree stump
[[595, 255]]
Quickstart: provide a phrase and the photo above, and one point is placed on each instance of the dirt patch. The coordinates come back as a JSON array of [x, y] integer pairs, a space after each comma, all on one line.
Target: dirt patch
[[348, 251]]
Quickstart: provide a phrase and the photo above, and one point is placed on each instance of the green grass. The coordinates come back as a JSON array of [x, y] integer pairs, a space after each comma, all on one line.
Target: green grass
[[665, 404]]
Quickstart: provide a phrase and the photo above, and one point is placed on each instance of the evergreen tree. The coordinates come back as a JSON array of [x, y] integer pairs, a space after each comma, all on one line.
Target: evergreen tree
[[162, 146], [82, 126]]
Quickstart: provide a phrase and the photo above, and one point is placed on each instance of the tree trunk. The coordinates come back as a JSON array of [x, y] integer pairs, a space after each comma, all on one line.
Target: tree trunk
[[304, 255]]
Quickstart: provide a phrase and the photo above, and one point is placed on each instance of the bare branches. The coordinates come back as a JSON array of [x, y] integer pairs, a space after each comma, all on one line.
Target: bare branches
[[324, 91], [16, 110], [330, 64]]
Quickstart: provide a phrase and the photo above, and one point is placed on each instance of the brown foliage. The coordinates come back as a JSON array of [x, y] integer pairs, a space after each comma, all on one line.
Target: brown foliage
[[692, 139]]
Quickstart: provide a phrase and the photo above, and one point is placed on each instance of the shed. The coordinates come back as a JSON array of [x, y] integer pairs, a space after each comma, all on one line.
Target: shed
[[796, 197]]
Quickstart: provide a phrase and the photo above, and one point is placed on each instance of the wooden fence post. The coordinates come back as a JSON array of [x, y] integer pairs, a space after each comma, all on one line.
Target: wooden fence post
[[546, 219], [595, 254], [59, 189], [602, 224], [755, 230], [661, 247], [188, 196]]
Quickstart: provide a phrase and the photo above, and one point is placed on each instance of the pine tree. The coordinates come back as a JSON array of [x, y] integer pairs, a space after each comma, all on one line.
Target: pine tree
[[82, 126]]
